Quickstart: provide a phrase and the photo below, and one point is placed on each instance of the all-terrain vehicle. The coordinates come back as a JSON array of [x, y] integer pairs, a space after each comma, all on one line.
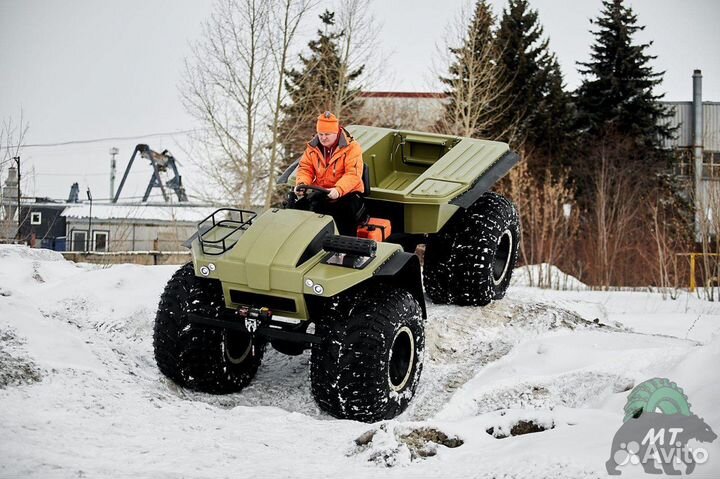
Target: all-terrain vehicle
[[285, 277]]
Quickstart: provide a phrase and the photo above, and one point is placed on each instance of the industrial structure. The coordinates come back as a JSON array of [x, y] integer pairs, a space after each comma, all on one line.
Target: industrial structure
[[10, 201], [82, 226], [697, 147], [162, 163]]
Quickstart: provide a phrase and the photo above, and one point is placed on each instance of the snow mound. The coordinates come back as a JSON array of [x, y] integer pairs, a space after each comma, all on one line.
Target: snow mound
[[15, 367], [461, 341], [23, 252], [546, 275]]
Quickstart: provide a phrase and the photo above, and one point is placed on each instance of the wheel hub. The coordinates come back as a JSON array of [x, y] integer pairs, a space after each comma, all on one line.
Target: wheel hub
[[501, 263], [237, 346], [402, 358]]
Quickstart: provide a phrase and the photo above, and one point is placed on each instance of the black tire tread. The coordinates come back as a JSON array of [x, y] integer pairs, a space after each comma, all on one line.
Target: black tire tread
[[458, 260], [349, 371], [190, 355]]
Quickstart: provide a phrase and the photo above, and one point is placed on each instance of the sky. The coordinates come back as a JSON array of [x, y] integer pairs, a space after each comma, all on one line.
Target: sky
[[86, 70]]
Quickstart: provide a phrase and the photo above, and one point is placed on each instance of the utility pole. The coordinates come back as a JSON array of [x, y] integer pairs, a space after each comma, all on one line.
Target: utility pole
[[113, 152], [89, 195], [700, 207], [17, 160]]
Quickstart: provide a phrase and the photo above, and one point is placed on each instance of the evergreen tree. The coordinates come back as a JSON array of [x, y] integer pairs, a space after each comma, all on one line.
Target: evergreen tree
[[475, 82], [540, 117], [312, 89], [617, 90]]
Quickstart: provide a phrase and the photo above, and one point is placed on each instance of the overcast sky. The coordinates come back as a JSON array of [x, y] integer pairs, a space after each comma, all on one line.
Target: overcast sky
[[88, 69]]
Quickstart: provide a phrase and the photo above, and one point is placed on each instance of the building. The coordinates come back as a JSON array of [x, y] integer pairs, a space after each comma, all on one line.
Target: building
[[698, 133], [119, 227], [405, 110], [42, 224], [697, 148]]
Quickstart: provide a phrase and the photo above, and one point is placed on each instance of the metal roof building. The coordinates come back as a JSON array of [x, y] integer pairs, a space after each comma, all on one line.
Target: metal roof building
[[683, 118], [143, 227]]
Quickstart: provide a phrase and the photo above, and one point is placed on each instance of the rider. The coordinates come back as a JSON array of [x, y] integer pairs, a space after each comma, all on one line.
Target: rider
[[333, 160]]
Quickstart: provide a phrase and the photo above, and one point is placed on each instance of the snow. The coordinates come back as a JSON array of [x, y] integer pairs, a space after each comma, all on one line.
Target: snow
[[81, 395], [546, 274], [185, 213]]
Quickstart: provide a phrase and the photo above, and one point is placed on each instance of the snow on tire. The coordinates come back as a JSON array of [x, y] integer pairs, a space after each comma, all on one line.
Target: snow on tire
[[471, 260], [201, 358], [369, 365]]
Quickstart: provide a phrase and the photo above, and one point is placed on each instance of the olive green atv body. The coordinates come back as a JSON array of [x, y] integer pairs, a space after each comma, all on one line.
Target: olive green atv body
[[269, 277]]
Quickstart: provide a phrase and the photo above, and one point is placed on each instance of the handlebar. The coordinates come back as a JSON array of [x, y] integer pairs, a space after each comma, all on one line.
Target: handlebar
[[319, 189]]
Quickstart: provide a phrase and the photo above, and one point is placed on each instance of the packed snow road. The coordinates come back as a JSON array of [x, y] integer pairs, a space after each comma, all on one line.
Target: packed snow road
[[80, 395]]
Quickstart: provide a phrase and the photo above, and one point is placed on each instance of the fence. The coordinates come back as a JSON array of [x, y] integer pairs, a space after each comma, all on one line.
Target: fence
[[136, 257]]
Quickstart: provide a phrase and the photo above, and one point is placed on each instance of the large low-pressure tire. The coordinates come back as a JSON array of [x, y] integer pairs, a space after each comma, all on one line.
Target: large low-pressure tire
[[369, 365], [471, 260], [201, 358]]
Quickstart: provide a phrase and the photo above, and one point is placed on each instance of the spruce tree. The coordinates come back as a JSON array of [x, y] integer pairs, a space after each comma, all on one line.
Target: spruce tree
[[312, 88], [540, 117], [616, 94]]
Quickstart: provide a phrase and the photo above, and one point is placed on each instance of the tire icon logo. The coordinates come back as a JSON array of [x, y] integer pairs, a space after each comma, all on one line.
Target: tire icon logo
[[656, 429]]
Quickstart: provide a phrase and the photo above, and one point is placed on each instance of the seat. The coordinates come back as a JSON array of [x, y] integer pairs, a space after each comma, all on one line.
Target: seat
[[362, 216], [366, 179]]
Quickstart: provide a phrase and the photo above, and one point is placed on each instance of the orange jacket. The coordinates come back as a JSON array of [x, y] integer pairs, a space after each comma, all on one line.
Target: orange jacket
[[343, 171]]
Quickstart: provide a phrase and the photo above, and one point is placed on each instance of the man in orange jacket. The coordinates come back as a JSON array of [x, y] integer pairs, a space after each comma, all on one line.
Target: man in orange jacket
[[333, 160]]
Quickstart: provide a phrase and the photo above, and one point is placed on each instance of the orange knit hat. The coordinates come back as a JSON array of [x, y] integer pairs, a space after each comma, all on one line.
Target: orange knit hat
[[327, 123]]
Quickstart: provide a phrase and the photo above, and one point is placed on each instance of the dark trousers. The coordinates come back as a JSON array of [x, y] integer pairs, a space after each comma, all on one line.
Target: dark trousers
[[344, 210]]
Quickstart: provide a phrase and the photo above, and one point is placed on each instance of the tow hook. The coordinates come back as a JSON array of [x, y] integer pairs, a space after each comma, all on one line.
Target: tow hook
[[253, 317]]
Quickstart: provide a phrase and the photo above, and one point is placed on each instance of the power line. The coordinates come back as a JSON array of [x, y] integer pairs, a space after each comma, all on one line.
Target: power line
[[98, 140], [72, 174]]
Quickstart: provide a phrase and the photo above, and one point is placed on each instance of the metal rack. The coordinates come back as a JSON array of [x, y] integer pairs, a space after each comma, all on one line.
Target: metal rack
[[220, 231]]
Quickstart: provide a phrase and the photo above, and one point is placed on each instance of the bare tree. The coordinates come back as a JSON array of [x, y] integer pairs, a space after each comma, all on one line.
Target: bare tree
[[709, 228], [358, 50], [235, 87], [550, 219], [225, 88], [284, 27], [476, 86], [616, 207], [667, 243], [12, 138]]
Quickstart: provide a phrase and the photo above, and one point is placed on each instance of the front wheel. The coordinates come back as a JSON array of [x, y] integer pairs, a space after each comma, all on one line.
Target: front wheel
[[369, 365], [471, 260], [201, 358]]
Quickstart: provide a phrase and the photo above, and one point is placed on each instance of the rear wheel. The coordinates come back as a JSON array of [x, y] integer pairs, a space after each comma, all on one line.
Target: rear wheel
[[201, 358], [369, 365], [471, 260]]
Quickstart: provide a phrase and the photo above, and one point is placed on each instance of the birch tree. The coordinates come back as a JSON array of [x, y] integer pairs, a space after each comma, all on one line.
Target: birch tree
[[234, 86], [285, 25]]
